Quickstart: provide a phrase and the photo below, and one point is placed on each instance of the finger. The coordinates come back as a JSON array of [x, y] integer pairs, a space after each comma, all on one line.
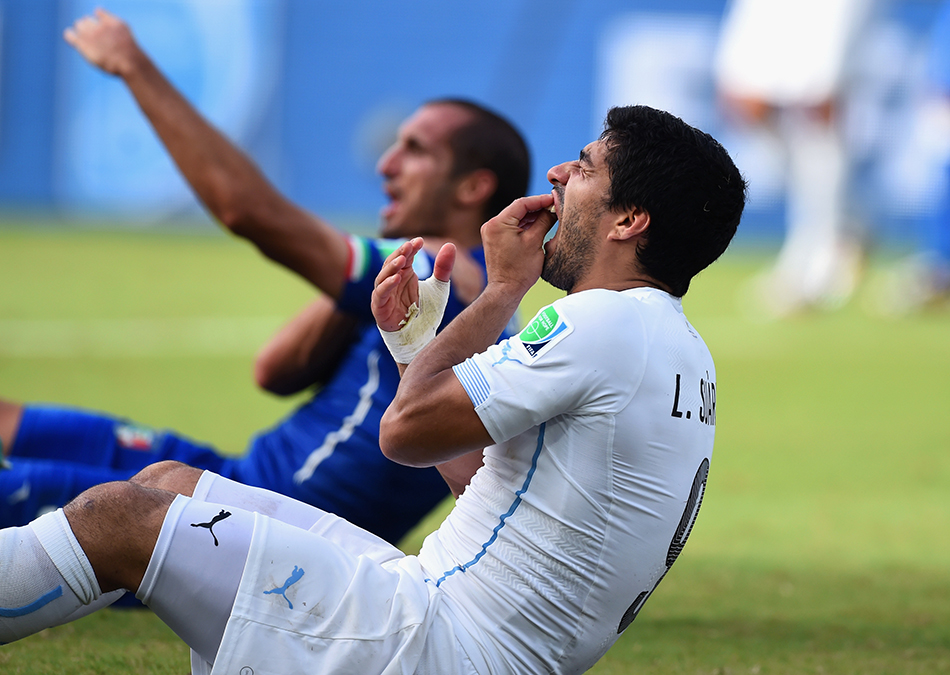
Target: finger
[[383, 304], [444, 262], [401, 257], [536, 224], [84, 26], [70, 36], [538, 202], [412, 247], [385, 288], [394, 263], [407, 249], [106, 18], [389, 286], [517, 213]]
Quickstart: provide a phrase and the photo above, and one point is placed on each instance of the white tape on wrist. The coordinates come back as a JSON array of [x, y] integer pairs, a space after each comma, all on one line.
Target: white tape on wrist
[[421, 322]]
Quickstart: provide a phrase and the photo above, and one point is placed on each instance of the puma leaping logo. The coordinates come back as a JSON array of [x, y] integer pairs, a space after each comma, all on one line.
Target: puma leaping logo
[[506, 355], [221, 516], [294, 577]]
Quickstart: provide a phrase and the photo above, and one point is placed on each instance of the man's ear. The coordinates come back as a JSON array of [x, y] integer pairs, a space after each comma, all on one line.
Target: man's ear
[[476, 187], [630, 224]]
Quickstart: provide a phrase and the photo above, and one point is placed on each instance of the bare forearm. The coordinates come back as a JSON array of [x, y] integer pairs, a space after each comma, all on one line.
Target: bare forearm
[[306, 350], [233, 189], [222, 176]]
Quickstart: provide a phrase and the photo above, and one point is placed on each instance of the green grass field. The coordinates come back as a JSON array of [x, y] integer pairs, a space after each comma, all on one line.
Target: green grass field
[[824, 540]]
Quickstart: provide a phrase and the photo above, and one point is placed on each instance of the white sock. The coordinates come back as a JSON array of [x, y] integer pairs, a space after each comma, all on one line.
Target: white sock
[[45, 578]]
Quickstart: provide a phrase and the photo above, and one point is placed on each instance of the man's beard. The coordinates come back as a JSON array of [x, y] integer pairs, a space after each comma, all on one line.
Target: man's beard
[[571, 259]]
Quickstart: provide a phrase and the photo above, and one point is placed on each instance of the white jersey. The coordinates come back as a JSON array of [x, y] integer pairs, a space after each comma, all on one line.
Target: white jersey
[[603, 414]]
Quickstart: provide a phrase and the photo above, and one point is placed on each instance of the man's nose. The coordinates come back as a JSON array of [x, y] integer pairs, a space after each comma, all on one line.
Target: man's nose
[[388, 163], [558, 175]]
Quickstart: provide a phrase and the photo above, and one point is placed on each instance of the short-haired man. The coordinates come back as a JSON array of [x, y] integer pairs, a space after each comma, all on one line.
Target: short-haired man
[[454, 165], [597, 422]]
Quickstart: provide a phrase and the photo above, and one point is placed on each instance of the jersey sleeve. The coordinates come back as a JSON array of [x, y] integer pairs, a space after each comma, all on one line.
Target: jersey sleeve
[[564, 361]]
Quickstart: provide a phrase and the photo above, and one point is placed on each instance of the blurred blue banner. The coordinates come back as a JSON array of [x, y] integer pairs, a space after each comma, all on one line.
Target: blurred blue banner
[[314, 90]]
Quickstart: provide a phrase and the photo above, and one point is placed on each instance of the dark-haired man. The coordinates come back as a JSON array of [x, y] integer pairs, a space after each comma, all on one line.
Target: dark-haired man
[[454, 165], [597, 422]]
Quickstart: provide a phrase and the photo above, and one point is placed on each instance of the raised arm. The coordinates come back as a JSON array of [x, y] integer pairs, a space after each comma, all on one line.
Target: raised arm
[[224, 178], [432, 420]]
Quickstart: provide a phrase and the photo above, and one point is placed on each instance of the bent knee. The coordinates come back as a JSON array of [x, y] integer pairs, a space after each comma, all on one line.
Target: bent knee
[[170, 476], [99, 513]]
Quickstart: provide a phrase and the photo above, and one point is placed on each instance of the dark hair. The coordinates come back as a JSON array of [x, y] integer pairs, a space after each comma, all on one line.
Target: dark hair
[[489, 141], [684, 179]]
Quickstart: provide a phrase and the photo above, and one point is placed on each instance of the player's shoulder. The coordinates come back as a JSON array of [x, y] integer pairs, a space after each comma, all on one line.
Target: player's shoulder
[[605, 307], [589, 323], [605, 317]]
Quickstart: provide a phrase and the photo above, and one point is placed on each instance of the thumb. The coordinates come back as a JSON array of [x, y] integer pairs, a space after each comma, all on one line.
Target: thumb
[[444, 262]]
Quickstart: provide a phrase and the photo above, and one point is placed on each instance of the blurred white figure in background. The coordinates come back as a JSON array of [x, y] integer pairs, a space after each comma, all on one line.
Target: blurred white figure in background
[[782, 65], [923, 280]]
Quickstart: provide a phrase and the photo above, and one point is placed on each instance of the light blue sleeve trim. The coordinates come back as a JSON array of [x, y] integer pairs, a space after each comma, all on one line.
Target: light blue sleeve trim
[[472, 380]]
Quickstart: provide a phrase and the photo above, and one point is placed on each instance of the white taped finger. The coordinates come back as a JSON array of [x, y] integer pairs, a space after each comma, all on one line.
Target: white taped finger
[[421, 322]]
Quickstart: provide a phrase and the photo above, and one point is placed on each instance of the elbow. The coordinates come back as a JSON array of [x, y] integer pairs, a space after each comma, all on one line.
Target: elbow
[[268, 376], [396, 440], [234, 217], [264, 377]]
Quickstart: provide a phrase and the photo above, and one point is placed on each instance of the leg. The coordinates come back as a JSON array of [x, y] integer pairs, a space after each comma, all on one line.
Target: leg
[[55, 568], [170, 476], [56, 453], [195, 569], [218, 490], [198, 560], [102, 440], [128, 535], [818, 265]]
